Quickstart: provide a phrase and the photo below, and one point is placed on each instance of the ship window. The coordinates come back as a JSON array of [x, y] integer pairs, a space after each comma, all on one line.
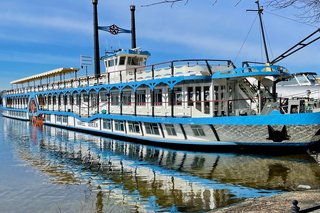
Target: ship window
[[54, 100], [129, 62], [60, 99], [114, 98], [106, 124], [302, 80], [198, 98], [206, 100], [142, 61], [58, 118], [71, 99], [119, 126], [85, 97], [158, 97], [103, 96], [65, 100], [177, 96], [222, 92], [141, 99], [133, 61], [312, 78], [170, 129], [65, 119], [110, 63], [48, 118], [49, 100], [122, 60], [134, 127], [136, 61], [190, 96], [76, 99], [216, 98], [126, 98], [93, 97], [152, 128], [222, 95], [197, 130]]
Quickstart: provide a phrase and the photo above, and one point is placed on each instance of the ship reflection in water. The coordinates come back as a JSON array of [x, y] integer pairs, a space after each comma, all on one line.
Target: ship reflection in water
[[147, 178]]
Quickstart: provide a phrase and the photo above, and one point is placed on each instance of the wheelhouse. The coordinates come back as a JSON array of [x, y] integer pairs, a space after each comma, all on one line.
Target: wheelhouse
[[125, 60]]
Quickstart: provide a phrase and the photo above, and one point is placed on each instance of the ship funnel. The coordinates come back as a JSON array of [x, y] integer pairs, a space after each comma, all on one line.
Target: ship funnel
[[96, 39], [133, 27]]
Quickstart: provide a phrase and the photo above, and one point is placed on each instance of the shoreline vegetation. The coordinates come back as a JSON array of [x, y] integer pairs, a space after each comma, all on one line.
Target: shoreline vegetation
[[276, 203]]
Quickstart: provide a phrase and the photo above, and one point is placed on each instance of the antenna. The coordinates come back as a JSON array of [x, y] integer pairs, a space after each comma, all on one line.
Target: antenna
[[260, 12], [85, 61]]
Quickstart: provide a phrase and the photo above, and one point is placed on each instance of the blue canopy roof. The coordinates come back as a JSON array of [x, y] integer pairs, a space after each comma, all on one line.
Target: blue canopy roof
[[125, 52]]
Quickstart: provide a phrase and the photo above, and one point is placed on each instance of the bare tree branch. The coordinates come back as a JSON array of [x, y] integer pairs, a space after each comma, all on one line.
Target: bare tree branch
[[165, 2], [172, 2], [237, 3], [310, 8]]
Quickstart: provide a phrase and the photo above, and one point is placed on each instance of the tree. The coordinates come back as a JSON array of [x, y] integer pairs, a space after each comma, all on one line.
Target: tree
[[310, 8], [172, 2]]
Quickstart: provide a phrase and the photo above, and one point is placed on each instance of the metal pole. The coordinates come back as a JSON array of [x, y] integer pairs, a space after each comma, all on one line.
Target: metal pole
[[96, 39], [133, 27], [260, 10]]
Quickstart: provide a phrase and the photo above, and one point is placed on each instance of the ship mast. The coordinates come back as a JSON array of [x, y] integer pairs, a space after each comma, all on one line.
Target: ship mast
[[96, 39], [260, 12]]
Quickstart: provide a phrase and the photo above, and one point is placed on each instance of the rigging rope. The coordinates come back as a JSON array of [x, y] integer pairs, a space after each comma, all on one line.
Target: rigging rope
[[268, 42], [291, 19], [245, 40], [261, 47]]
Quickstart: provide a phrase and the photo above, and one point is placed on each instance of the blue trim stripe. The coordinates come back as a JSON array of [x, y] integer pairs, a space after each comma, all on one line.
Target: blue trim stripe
[[271, 119]]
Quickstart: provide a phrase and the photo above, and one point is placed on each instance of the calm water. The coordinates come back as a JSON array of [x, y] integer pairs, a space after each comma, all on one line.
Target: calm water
[[55, 170]]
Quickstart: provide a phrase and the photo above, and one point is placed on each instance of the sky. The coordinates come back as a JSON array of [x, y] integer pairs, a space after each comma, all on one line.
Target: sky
[[38, 36]]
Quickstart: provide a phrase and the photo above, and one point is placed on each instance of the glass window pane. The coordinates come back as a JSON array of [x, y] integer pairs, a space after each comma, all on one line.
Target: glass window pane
[[122, 60]]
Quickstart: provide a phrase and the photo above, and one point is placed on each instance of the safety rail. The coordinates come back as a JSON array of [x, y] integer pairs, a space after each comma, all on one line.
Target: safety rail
[[201, 67], [193, 67], [166, 69]]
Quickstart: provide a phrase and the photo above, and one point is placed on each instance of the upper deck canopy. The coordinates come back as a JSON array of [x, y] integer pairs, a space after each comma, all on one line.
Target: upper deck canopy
[[51, 73], [135, 51]]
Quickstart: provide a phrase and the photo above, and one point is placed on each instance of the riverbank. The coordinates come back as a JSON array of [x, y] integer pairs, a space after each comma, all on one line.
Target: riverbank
[[276, 203]]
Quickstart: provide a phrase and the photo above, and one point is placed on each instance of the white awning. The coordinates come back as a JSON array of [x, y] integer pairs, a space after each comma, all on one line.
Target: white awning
[[51, 73]]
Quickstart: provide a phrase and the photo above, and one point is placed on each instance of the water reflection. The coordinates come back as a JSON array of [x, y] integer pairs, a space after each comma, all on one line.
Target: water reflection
[[155, 179]]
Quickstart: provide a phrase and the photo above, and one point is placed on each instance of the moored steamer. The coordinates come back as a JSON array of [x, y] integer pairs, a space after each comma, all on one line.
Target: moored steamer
[[202, 103]]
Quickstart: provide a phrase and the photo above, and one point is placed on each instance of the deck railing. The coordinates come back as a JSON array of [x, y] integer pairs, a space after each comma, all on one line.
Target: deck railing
[[201, 67]]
